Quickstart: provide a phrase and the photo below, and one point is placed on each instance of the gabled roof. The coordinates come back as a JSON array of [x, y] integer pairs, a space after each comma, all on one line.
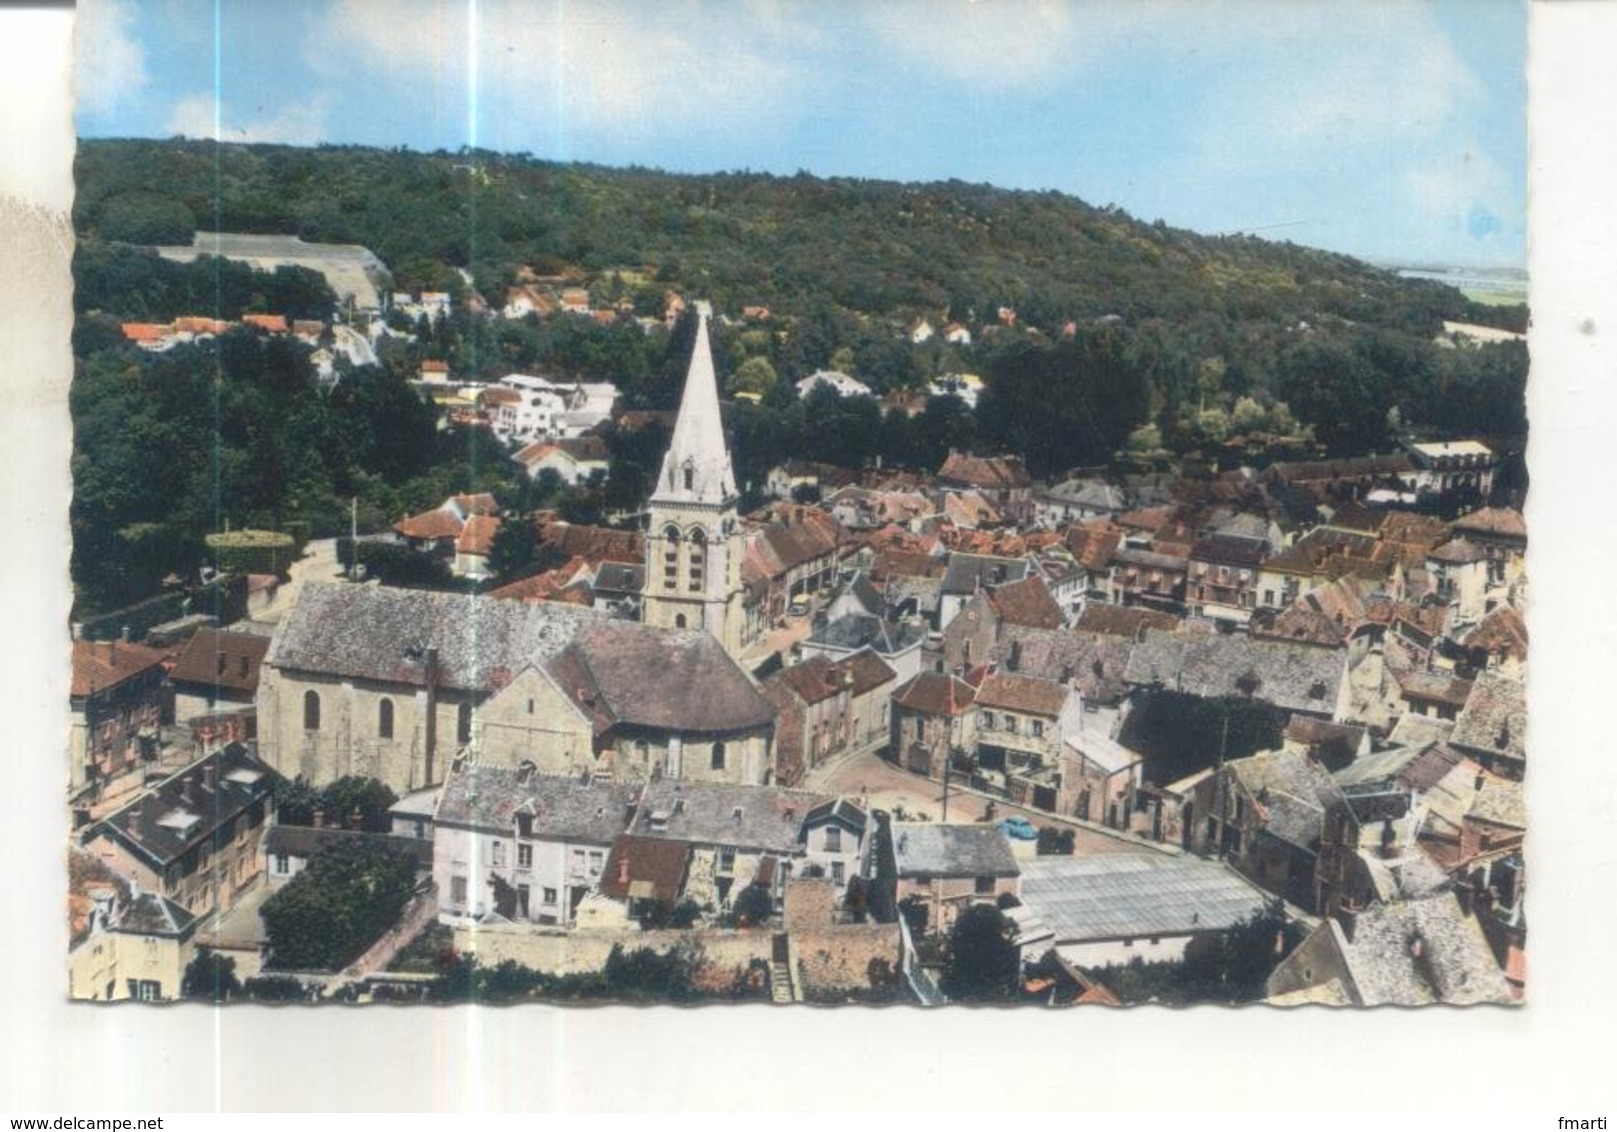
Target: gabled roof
[[1494, 719], [477, 536], [1093, 662], [927, 849], [679, 680], [860, 631], [839, 810], [814, 680], [594, 544], [765, 818], [991, 472], [1412, 952], [1027, 602], [1459, 551], [99, 665], [1026, 694], [1228, 550], [1502, 632], [935, 693], [151, 914], [645, 868], [967, 573], [228, 661], [561, 808], [1497, 522], [434, 524], [1291, 676], [1123, 620], [1436, 687], [383, 633]]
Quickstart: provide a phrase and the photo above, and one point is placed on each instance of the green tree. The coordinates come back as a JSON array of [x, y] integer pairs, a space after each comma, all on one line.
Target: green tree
[[210, 977], [755, 375], [982, 962], [328, 914], [515, 549], [753, 906]]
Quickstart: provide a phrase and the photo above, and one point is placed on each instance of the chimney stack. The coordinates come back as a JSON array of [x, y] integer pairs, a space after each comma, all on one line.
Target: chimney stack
[[1346, 917]]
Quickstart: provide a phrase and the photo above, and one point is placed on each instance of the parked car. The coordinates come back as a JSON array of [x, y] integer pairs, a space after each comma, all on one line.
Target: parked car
[[1019, 829]]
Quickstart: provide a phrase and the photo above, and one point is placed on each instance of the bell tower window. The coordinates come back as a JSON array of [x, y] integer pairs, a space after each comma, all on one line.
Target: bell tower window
[[697, 559]]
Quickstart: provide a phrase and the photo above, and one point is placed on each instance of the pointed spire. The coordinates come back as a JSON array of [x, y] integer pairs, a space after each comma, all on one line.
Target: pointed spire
[[696, 467]]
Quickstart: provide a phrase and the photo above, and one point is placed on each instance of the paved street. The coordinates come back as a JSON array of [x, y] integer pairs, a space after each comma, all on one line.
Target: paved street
[[319, 562]]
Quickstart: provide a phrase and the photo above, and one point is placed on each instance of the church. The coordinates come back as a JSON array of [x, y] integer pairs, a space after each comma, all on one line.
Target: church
[[402, 684]]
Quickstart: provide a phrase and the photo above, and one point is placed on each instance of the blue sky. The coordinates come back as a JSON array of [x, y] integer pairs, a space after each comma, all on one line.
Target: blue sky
[[1385, 129]]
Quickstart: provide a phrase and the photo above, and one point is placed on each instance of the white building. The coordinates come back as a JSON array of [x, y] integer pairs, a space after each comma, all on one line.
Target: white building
[[844, 385], [523, 846]]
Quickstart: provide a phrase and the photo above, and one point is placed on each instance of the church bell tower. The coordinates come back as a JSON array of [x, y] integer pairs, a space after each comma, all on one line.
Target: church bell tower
[[694, 543]]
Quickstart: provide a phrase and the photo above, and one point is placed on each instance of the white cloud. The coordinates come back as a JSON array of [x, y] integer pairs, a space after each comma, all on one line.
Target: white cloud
[[296, 124], [1003, 44], [109, 66], [551, 68]]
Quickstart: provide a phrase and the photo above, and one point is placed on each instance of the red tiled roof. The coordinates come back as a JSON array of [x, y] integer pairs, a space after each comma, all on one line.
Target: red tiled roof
[[594, 544], [1123, 620], [99, 665], [478, 535], [482, 503], [985, 471], [274, 323], [1504, 521], [434, 524], [228, 660], [196, 324], [935, 693], [1503, 631], [656, 863], [145, 331], [1026, 694], [1027, 602]]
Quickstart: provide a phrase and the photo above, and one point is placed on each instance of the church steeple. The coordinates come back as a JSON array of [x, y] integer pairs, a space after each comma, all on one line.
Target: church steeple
[[696, 468], [694, 543]]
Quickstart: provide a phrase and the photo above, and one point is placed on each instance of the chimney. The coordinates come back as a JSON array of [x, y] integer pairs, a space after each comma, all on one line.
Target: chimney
[[430, 739], [623, 870], [1346, 917]]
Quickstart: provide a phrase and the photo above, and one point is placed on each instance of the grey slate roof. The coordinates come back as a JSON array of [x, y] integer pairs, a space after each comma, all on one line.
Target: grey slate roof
[[1132, 896], [1291, 676], [185, 810], [151, 914], [924, 849], [1095, 662], [620, 577], [857, 631], [765, 818], [837, 810], [564, 808], [382, 633], [968, 573], [1494, 719], [668, 679], [1455, 964]]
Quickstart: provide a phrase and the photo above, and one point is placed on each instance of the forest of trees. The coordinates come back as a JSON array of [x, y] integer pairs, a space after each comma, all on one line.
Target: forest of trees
[[1149, 339]]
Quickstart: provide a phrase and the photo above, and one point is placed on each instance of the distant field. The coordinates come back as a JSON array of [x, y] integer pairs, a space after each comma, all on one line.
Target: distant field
[[1501, 288], [351, 270]]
